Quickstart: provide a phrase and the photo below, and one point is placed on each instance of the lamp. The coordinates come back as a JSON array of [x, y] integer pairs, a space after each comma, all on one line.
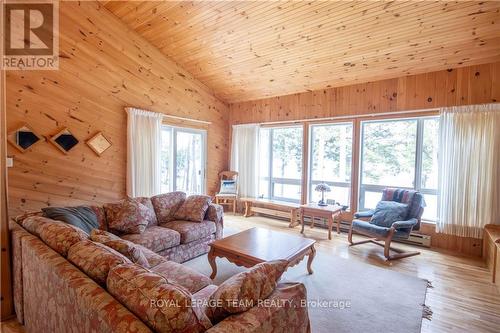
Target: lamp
[[323, 187]]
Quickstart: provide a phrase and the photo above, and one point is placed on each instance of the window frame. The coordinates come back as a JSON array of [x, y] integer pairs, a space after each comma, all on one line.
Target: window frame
[[281, 180], [310, 181], [417, 179], [173, 154]]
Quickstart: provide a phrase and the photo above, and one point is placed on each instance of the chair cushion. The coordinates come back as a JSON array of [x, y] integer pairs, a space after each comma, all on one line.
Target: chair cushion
[[193, 208], [128, 216], [155, 238], [34, 223], [243, 291], [95, 259], [61, 236], [388, 212], [83, 217], [191, 231], [165, 205], [368, 229], [163, 306], [182, 275], [101, 236]]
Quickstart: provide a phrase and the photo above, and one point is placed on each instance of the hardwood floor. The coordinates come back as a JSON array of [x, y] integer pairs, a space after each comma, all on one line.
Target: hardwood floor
[[462, 298]]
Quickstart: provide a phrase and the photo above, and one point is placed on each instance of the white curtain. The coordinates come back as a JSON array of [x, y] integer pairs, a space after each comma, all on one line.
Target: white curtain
[[469, 169], [245, 158], [143, 152]]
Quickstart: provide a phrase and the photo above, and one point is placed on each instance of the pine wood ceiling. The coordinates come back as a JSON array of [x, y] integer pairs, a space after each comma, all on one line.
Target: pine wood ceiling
[[255, 49]]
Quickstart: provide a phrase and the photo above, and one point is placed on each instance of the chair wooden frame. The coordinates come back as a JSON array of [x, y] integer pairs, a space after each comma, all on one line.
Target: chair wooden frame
[[227, 199], [386, 245]]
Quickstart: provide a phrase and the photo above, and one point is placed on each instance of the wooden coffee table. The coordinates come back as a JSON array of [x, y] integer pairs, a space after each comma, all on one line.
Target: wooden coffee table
[[257, 245]]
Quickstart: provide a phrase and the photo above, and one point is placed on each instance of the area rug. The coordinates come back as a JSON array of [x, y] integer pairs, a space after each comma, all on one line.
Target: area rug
[[348, 296]]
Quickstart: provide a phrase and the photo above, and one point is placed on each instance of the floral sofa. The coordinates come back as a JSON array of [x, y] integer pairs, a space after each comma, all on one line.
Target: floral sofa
[[67, 280]]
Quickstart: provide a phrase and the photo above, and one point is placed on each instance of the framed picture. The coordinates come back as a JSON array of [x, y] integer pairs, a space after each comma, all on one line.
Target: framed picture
[[99, 143], [24, 138], [64, 140]]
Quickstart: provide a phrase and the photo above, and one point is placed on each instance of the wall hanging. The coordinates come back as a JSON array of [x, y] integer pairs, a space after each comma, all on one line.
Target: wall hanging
[[64, 140], [24, 138], [99, 143]]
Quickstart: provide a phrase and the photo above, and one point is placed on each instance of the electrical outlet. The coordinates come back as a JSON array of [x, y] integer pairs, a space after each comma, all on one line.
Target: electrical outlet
[[10, 162]]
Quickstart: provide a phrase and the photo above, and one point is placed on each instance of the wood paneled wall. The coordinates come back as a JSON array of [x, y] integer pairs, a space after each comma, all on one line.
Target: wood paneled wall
[[104, 67], [462, 86], [467, 85]]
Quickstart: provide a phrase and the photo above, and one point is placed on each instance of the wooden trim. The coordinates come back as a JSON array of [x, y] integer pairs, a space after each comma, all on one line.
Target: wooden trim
[[305, 163], [356, 148], [7, 307]]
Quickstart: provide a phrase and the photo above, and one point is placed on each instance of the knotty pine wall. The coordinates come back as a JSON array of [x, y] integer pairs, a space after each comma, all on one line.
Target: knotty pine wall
[[462, 86], [104, 67], [466, 85]]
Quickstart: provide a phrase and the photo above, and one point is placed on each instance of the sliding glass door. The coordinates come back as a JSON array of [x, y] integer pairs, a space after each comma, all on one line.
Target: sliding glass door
[[183, 160]]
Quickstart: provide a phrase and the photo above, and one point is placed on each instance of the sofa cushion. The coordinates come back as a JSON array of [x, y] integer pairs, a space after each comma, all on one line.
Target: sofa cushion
[[95, 259], [148, 203], [61, 236], [132, 251], [193, 208], [165, 205], [128, 217], [155, 238], [243, 291], [388, 212], [101, 236], [34, 223], [191, 231], [163, 306], [82, 217], [182, 275]]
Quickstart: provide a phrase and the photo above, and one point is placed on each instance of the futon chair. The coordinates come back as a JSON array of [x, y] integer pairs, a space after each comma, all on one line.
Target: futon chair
[[395, 217]]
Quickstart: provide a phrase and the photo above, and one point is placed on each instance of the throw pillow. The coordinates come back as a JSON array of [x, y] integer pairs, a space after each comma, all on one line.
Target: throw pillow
[[166, 205], [163, 306], [227, 187], [148, 203], [243, 291], [82, 217], [130, 217], [130, 250], [193, 208], [388, 212], [95, 260]]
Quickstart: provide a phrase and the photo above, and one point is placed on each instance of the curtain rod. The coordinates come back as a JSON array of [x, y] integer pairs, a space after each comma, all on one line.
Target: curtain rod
[[341, 117], [188, 119]]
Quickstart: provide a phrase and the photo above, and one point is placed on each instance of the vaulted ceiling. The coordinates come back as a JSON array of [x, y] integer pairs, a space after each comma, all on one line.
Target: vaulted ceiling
[[247, 50]]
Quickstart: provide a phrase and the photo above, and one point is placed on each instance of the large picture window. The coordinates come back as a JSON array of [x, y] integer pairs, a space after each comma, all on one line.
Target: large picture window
[[280, 168], [330, 161], [399, 153], [183, 159]]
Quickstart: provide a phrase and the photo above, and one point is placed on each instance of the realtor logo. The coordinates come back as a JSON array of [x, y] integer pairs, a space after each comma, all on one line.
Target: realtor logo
[[31, 39]]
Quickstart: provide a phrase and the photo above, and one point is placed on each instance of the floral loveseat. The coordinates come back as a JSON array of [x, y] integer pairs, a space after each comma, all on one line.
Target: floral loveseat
[[67, 280]]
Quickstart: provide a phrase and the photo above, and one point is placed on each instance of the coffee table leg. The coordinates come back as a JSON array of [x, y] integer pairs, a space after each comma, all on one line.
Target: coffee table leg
[[310, 259], [213, 264]]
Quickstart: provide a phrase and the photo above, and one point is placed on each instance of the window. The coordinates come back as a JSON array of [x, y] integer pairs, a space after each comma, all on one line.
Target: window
[[330, 161], [399, 153], [280, 170], [183, 160]]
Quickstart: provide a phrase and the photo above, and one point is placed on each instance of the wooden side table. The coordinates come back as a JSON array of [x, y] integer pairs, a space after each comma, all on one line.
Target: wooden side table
[[329, 212]]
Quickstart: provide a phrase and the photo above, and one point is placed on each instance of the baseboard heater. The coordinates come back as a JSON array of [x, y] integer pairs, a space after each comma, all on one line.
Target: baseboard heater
[[414, 239]]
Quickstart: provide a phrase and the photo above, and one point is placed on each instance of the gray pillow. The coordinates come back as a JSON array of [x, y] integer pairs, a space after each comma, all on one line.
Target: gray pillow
[[388, 212], [82, 217]]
